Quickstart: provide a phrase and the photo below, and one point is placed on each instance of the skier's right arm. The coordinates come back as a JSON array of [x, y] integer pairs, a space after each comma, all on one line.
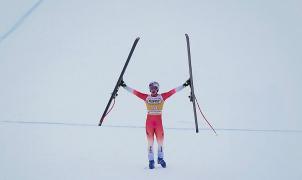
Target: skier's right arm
[[133, 91]]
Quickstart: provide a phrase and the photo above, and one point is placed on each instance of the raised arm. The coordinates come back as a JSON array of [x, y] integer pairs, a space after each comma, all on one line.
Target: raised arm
[[135, 92], [166, 95]]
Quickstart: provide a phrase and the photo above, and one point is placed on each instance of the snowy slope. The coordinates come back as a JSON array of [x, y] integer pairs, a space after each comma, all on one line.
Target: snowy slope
[[60, 60], [42, 151]]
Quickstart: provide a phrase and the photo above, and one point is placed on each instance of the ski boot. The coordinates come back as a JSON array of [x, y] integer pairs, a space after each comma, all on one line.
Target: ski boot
[[162, 162], [151, 164]]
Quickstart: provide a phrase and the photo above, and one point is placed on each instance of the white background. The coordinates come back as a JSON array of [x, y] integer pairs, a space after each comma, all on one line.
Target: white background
[[62, 62]]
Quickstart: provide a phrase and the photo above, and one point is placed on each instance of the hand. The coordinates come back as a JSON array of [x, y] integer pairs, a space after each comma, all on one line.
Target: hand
[[123, 84], [187, 83]]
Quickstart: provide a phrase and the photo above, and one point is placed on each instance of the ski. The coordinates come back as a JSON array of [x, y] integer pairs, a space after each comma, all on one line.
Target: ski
[[192, 95], [117, 85]]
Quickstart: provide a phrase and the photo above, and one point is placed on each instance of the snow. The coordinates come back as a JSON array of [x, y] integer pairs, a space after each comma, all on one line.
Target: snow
[[44, 151], [59, 63]]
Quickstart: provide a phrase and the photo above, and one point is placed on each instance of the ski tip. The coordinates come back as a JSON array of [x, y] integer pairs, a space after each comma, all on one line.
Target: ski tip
[[187, 35], [100, 123], [137, 38]]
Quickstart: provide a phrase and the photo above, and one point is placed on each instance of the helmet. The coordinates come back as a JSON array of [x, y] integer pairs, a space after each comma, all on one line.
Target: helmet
[[153, 85]]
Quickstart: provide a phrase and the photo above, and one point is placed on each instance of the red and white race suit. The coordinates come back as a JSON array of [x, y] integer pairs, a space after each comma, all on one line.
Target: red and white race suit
[[154, 125]]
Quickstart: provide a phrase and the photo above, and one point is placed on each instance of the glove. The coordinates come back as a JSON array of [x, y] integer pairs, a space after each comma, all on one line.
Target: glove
[[123, 84], [187, 83]]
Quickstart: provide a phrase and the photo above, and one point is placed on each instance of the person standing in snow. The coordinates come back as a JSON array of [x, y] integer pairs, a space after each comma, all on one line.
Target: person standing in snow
[[154, 103]]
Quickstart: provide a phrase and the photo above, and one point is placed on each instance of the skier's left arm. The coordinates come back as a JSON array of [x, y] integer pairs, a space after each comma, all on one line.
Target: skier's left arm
[[166, 95]]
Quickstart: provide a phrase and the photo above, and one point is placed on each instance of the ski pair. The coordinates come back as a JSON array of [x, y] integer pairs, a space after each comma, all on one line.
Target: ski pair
[[192, 95], [117, 85]]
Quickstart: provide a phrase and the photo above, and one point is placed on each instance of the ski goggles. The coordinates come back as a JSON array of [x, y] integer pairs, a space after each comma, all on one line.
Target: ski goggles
[[153, 88]]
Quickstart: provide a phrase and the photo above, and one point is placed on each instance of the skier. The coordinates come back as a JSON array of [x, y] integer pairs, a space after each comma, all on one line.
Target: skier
[[154, 103]]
